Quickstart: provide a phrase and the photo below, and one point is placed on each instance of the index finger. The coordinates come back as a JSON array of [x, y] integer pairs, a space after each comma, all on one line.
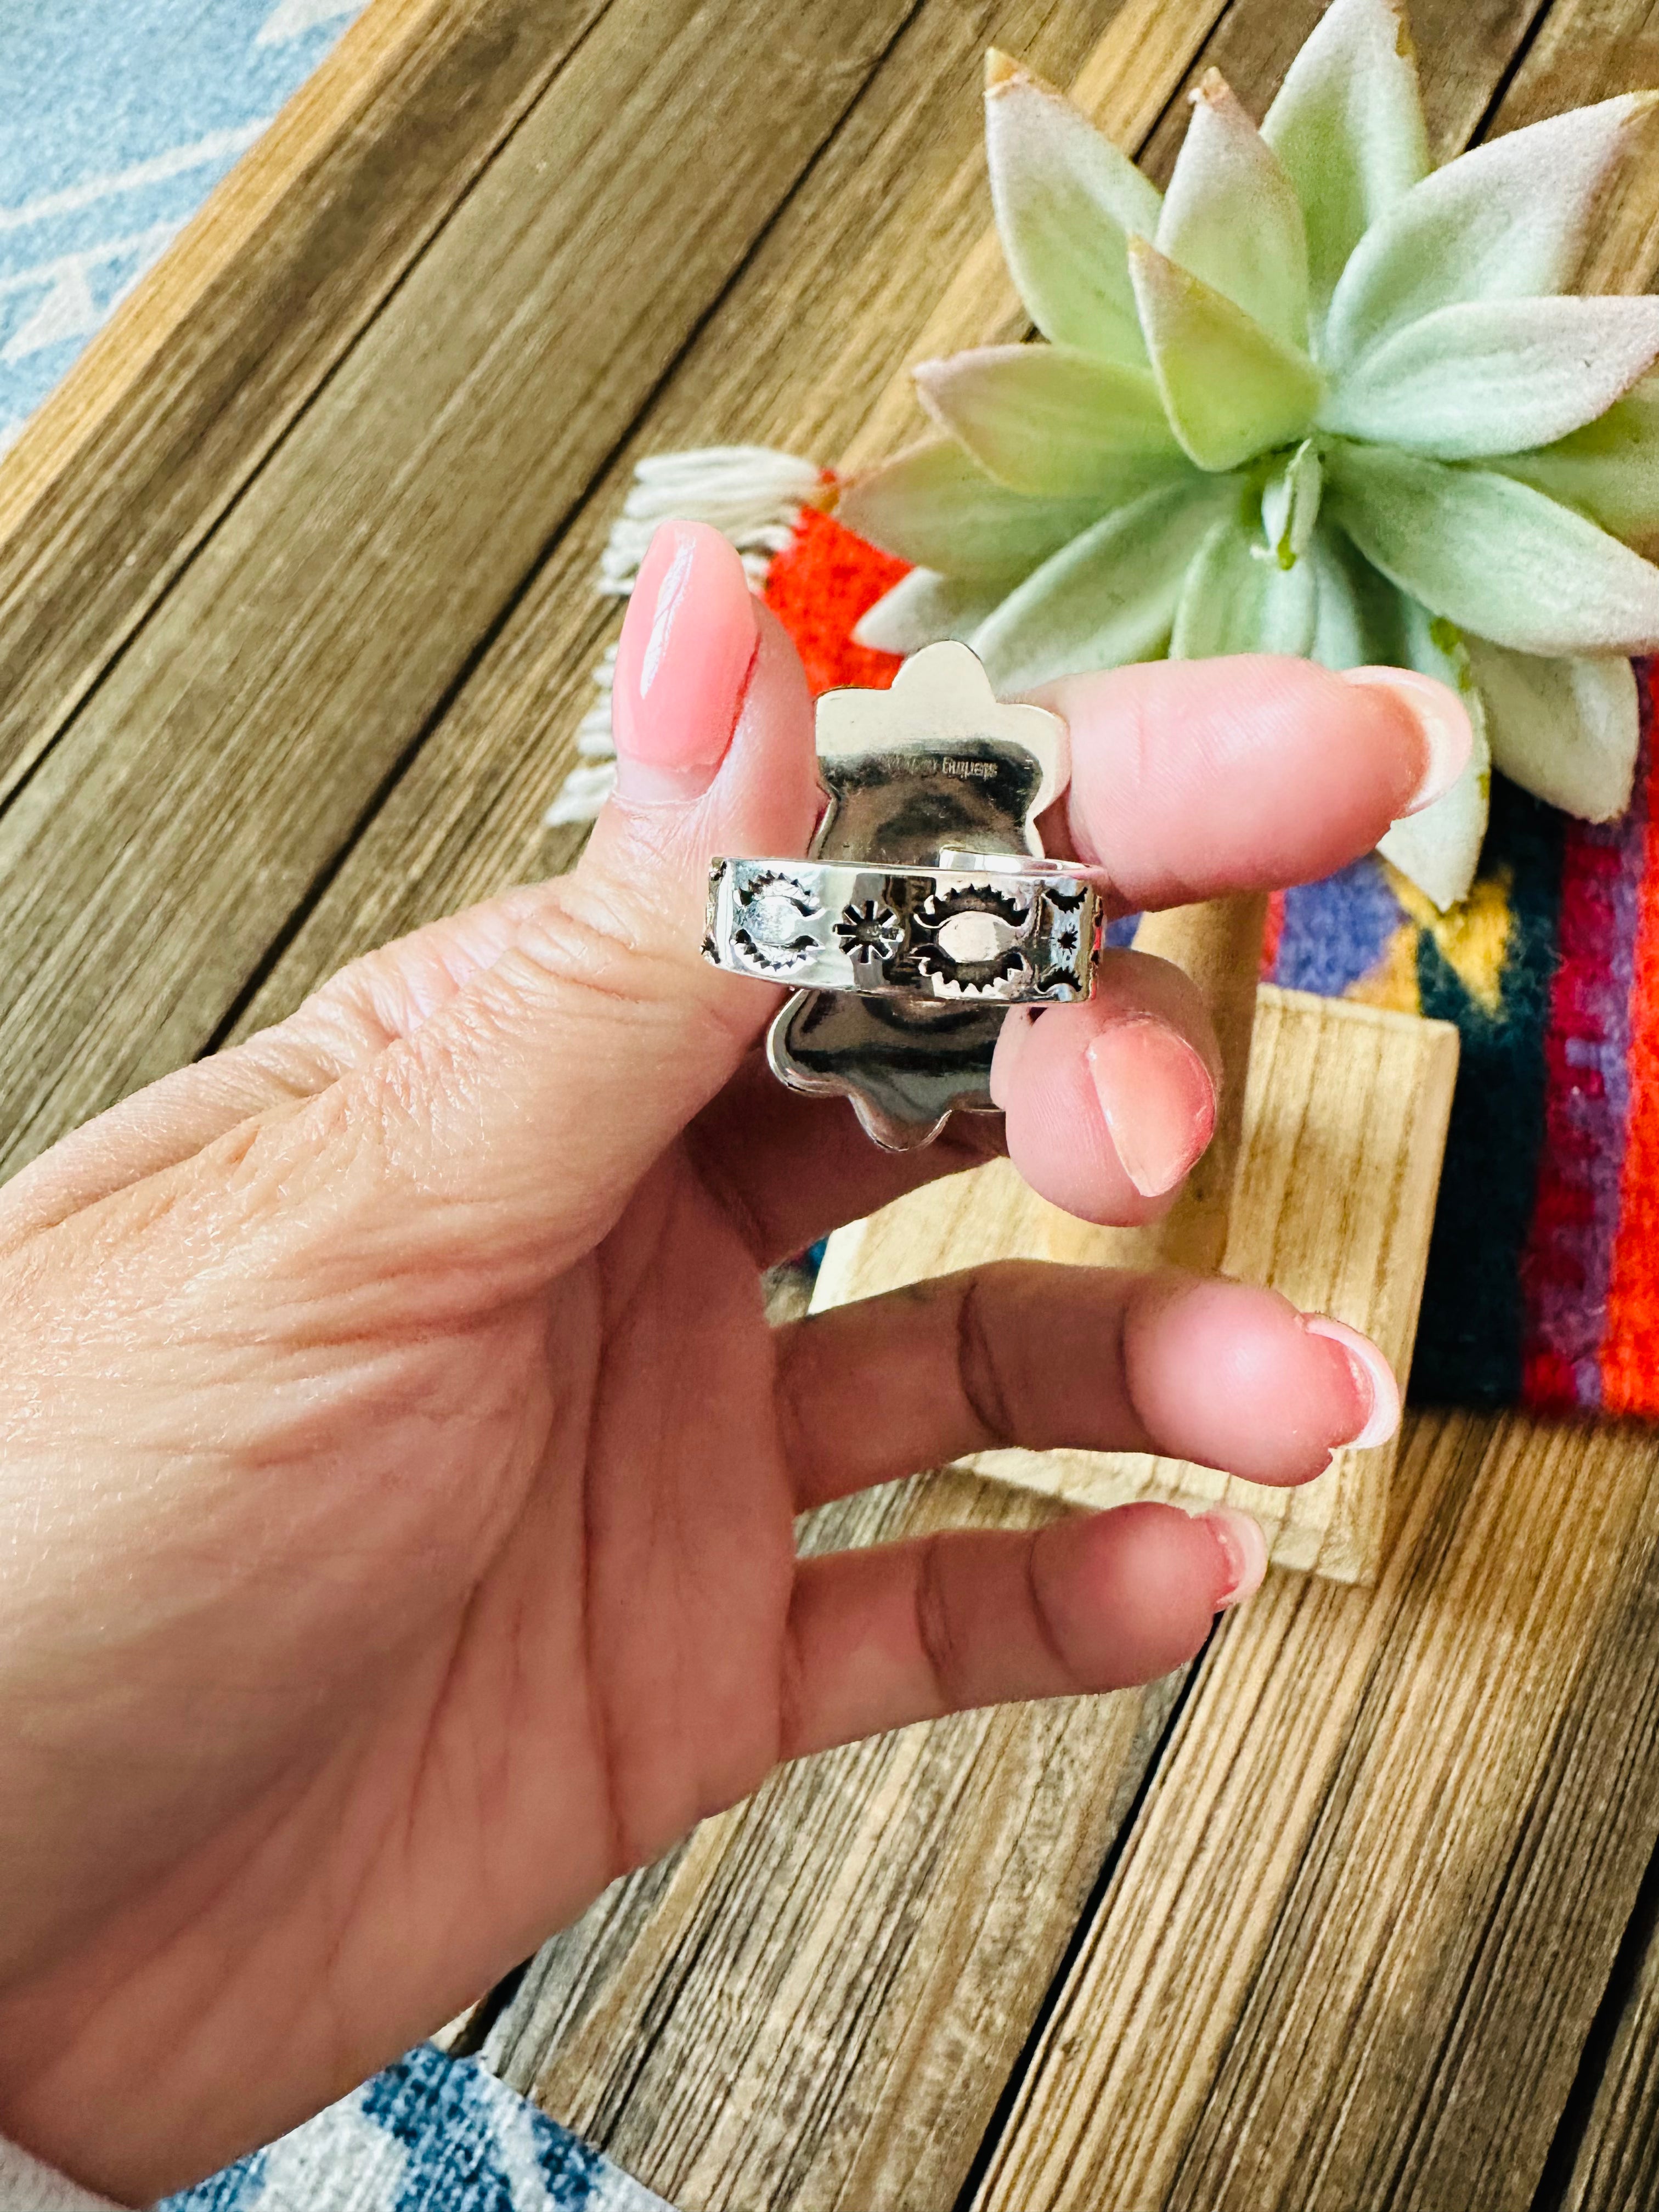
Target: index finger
[[1192, 779]]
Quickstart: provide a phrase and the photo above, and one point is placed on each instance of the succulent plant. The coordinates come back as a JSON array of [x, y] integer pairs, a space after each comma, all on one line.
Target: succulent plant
[[1317, 398]]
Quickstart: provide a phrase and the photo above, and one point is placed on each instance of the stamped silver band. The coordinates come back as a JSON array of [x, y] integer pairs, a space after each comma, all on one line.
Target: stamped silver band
[[1000, 928]]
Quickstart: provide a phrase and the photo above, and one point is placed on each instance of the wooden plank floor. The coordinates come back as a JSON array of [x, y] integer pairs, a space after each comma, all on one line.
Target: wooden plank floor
[[295, 626]]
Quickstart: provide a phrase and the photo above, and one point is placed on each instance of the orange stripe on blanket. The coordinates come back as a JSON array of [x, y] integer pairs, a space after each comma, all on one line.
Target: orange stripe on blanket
[[824, 579], [1629, 1349]]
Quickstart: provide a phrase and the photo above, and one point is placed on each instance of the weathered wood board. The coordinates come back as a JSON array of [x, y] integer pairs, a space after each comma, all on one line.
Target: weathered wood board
[[808, 348], [1345, 1124], [232, 750], [1349, 1955], [117, 479], [1611, 2163]]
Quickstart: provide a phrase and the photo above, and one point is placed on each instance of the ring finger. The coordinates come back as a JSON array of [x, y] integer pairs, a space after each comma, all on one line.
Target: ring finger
[[1107, 1104]]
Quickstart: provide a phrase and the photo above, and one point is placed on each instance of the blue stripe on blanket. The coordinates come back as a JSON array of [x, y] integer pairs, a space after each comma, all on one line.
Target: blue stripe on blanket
[[429, 2135], [116, 118]]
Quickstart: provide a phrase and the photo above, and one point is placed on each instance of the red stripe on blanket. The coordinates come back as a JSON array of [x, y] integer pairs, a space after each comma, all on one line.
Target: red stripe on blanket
[[1273, 934], [1629, 1350]]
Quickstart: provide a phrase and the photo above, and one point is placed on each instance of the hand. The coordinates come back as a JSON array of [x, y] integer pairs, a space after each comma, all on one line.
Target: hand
[[397, 1519]]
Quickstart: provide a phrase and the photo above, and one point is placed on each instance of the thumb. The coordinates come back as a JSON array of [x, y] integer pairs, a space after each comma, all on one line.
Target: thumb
[[538, 1094], [713, 724]]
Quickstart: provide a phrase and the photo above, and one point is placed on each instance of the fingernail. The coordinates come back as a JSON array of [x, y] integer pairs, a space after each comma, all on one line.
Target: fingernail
[[682, 662], [1244, 1548], [1157, 1097], [1377, 1413], [1443, 724]]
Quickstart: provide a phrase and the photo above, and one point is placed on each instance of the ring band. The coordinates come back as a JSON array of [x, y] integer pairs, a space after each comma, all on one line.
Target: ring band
[[1007, 928]]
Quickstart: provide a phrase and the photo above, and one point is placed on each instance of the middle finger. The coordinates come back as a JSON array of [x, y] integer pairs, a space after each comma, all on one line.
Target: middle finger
[[1192, 779]]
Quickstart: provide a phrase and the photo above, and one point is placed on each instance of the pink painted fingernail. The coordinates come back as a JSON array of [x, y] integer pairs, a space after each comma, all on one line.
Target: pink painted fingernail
[[1244, 1548], [1443, 724], [686, 649], [1157, 1097], [1377, 1411]]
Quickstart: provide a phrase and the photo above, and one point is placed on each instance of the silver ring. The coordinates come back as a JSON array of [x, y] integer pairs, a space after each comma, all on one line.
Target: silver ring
[[1003, 928]]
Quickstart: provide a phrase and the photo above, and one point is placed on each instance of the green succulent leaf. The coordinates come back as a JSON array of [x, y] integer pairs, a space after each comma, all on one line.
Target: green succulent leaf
[[1108, 598], [1235, 599], [1492, 555], [1289, 504], [1051, 421], [1505, 222], [1232, 217], [924, 607], [1609, 469], [1439, 850], [1566, 730], [1230, 389], [1066, 201], [933, 506], [1319, 399], [1359, 619], [1496, 376], [1347, 126], [1363, 622]]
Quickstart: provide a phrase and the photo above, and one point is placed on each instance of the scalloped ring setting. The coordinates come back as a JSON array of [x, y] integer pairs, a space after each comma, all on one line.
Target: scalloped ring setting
[[925, 908]]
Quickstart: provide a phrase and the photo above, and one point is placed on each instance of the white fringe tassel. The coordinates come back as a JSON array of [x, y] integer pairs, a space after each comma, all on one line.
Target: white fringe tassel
[[751, 495]]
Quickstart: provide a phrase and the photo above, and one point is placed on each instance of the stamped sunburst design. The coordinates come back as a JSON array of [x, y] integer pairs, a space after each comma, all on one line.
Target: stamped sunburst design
[[870, 933], [1064, 941]]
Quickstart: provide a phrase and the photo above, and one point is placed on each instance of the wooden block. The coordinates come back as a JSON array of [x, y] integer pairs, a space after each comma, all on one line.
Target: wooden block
[[1345, 1124]]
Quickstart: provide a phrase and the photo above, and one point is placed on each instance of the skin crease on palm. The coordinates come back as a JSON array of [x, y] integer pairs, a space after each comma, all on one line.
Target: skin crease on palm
[[400, 1473]]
